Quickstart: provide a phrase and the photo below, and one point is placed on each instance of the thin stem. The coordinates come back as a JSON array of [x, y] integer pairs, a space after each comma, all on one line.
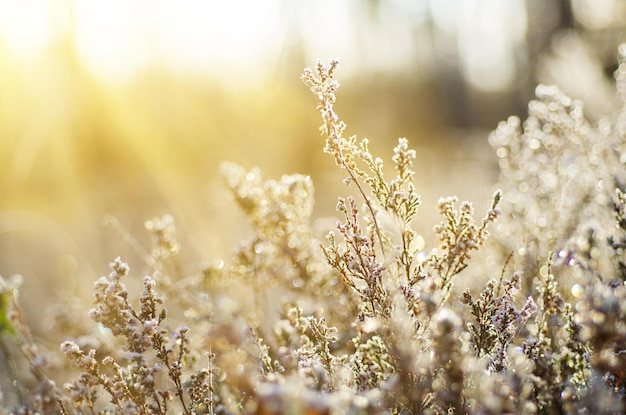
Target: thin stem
[[368, 203], [406, 257], [12, 370]]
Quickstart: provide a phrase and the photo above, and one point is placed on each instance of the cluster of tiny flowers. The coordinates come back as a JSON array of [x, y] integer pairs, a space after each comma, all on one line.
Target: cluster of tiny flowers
[[324, 86], [398, 197], [279, 212], [557, 170], [371, 363], [369, 324], [136, 378], [398, 293], [601, 316], [497, 319], [403, 198], [164, 231], [460, 235], [356, 260]]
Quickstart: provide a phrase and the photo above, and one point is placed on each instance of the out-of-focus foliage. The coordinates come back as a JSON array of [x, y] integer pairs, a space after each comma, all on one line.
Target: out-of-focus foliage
[[367, 323]]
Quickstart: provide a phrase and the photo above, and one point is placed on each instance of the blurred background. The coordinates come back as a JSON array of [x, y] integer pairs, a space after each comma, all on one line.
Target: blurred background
[[114, 112]]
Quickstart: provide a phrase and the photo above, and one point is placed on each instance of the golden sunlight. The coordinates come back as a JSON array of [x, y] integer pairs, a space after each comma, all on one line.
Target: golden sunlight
[[25, 26], [117, 38], [178, 141], [124, 109]]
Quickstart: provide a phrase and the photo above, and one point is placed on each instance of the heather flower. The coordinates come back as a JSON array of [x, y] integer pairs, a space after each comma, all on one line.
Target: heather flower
[[368, 323], [553, 160]]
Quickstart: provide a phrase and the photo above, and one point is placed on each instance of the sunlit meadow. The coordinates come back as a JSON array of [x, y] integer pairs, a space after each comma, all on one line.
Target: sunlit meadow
[[105, 126], [177, 237]]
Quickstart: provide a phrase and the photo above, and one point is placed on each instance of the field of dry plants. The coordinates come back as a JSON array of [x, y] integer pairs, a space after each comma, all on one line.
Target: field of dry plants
[[374, 317]]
